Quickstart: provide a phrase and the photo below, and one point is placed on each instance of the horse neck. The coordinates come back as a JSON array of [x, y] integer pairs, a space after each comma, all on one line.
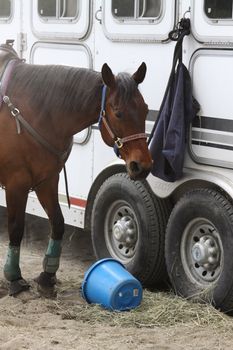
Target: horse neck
[[85, 115], [63, 126], [72, 106]]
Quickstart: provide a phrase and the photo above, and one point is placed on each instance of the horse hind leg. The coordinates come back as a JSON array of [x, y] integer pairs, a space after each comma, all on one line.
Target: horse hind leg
[[47, 194], [16, 198]]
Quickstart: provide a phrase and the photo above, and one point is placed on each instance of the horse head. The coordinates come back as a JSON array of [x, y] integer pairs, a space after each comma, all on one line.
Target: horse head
[[123, 117]]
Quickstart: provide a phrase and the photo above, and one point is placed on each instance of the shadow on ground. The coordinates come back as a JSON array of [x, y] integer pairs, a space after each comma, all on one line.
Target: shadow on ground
[[76, 242]]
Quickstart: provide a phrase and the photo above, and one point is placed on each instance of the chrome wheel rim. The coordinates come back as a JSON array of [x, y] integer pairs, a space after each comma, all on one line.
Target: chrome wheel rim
[[202, 252], [121, 231]]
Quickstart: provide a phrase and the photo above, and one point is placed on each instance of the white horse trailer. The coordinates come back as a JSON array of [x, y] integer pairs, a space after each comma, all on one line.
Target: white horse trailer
[[197, 211]]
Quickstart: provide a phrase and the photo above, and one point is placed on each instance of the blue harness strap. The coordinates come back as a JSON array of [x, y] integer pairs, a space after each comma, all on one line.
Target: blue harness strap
[[116, 150], [118, 141], [103, 100], [102, 114]]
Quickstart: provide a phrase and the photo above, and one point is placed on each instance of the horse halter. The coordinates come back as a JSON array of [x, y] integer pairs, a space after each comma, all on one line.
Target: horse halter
[[118, 141]]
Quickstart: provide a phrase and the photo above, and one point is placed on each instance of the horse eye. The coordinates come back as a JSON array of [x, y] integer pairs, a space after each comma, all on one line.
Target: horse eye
[[118, 114]]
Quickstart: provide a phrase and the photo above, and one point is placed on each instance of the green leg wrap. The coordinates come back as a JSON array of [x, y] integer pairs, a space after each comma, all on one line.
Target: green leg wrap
[[11, 268], [52, 256]]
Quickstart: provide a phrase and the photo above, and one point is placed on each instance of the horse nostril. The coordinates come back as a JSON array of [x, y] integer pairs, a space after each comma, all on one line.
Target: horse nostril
[[135, 167], [137, 170]]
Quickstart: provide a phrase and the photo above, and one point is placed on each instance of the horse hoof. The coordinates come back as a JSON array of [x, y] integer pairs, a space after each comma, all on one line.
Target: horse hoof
[[46, 284], [46, 280], [47, 292], [18, 286]]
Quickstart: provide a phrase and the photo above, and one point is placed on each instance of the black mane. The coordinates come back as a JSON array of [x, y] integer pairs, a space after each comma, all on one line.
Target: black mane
[[64, 88], [61, 87], [126, 87]]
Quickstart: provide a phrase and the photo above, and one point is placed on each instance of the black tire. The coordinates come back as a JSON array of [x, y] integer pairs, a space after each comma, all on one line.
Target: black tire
[[199, 246], [125, 209]]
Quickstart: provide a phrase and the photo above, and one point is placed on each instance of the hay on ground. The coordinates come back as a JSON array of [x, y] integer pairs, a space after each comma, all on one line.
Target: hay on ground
[[158, 309]]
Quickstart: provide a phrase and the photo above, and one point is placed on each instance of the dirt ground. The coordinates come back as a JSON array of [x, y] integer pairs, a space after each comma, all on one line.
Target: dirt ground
[[30, 321]]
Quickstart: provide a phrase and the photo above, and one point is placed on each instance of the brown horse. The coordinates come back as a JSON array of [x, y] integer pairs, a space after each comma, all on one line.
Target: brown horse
[[42, 108]]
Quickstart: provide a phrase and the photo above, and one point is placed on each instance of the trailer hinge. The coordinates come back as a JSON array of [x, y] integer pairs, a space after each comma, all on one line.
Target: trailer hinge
[[22, 43]]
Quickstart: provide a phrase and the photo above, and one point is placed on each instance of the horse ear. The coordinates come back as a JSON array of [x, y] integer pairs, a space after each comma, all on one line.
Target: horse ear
[[140, 74], [108, 76]]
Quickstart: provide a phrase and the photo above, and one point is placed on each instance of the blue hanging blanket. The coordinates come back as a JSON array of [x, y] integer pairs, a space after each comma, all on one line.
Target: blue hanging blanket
[[168, 139]]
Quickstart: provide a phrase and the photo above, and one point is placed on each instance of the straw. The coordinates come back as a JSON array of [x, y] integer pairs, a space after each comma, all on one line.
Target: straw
[[158, 309]]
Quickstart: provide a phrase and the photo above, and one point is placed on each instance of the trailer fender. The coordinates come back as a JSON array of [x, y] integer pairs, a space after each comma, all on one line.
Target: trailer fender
[[192, 178]]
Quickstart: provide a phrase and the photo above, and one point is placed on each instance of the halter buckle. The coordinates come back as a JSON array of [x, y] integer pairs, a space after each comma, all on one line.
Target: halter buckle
[[118, 142], [15, 112]]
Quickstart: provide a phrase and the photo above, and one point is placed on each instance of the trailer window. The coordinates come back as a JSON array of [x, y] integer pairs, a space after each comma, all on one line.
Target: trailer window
[[216, 9], [58, 9], [136, 9], [5, 9]]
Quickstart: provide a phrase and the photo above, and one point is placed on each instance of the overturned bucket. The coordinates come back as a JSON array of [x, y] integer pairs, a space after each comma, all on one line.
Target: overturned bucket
[[109, 284]]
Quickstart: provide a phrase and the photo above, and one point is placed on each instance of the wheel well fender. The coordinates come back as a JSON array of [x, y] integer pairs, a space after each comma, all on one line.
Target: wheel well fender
[[191, 185], [192, 179]]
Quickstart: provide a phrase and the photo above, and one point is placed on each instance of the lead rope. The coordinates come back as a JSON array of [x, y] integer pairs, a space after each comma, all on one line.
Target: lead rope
[[66, 186]]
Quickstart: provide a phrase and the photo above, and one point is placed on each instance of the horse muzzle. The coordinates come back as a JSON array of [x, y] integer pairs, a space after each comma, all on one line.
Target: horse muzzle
[[137, 170]]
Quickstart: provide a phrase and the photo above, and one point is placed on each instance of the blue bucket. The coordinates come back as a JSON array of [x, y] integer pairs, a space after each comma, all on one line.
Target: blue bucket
[[109, 284]]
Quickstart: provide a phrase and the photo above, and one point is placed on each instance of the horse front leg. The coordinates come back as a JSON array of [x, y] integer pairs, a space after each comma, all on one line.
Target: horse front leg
[[47, 194], [16, 198]]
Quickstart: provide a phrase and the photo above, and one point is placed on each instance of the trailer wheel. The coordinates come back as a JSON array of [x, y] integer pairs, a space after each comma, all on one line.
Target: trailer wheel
[[199, 246], [128, 224]]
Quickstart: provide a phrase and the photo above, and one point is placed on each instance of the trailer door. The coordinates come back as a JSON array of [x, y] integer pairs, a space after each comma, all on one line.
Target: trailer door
[[211, 139], [212, 21], [60, 19], [54, 26], [10, 22], [138, 20]]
